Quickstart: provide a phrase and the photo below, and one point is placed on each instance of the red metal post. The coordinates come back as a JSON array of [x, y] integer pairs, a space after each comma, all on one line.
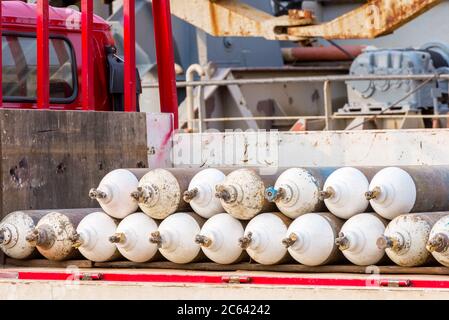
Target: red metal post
[[1, 58], [87, 77], [43, 61], [165, 58], [129, 24]]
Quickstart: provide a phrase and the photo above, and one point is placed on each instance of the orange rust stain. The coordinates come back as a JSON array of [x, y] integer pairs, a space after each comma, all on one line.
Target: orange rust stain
[[213, 18]]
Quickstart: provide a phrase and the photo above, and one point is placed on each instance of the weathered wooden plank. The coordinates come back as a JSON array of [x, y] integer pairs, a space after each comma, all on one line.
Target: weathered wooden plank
[[50, 159], [43, 263], [288, 268]]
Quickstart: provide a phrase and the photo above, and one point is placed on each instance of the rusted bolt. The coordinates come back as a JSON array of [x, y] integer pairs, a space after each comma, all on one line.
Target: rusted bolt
[[118, 238], [327, 194], [189, 195], [97, 194], [245, 242], [156, 238], [393, 243], [41, 236], [226, 193], [138, 194], [203, 241], [300, 14], [291, 240], [439, 243], [273, 195], [374, 194], [76, 240], [342, 242]]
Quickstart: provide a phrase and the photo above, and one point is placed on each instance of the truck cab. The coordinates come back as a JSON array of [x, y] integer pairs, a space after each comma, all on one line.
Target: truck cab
[[19, 67]]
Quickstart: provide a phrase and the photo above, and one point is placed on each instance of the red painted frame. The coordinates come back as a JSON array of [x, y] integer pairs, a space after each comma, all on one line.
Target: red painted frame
[[129, 24], [87, 71], [165, 58], [43, 63], [214, 279]]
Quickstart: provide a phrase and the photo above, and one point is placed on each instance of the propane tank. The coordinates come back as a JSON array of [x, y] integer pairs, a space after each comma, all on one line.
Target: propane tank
[[160, 192], [55, 234], [131, 238], [438, 243], [242, 194], [344, 191], [13, 231], [395, 191], [297, 191], [92, 237], [219, 239], [175, 238], [201, 193], [263, 238], [113, 192], [358, 236], [310, 239], [405, 238]]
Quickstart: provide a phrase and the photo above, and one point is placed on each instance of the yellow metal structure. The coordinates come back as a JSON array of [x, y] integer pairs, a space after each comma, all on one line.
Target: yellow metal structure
[[234, 18]]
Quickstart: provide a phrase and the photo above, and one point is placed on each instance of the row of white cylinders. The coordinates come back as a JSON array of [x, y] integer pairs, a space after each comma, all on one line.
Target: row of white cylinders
[[313, 239]]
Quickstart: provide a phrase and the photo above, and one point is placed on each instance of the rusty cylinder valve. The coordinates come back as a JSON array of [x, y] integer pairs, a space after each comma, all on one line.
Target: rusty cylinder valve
[[290, 241], [144, 194], [439, 243], [373, 194], [41, 237], [245, 241], [226, 193], [96, 194], [77, 240], [203, 241], [395, 243], [189, 195], [156, 238], [118, 238], [273, 194], [342, 242], [2, 236], [327, 194]]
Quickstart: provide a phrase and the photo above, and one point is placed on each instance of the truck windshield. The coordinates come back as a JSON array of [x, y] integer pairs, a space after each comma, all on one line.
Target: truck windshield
[[20, 65]]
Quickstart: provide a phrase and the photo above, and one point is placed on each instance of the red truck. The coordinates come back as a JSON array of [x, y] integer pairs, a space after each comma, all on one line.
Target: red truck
[[20, 63]]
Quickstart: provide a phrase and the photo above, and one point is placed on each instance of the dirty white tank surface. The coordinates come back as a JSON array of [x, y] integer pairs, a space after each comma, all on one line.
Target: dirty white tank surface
[[219, 239], [310, 239], [438, 243], [55, 234], [344, 192], [114, 192], [392, 193], [201, 193], [406, 237], [132, 238], [14, 229], [263, 238], [176, 237], [242, 193], [297, 191], [160, 192], [358, 237], [92, 237]]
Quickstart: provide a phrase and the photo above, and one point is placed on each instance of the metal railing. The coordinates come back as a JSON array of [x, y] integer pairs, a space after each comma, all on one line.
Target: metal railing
[[326, 80]]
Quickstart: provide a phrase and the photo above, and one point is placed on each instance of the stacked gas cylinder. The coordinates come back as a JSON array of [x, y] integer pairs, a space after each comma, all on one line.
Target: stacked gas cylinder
[[314, 216]]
